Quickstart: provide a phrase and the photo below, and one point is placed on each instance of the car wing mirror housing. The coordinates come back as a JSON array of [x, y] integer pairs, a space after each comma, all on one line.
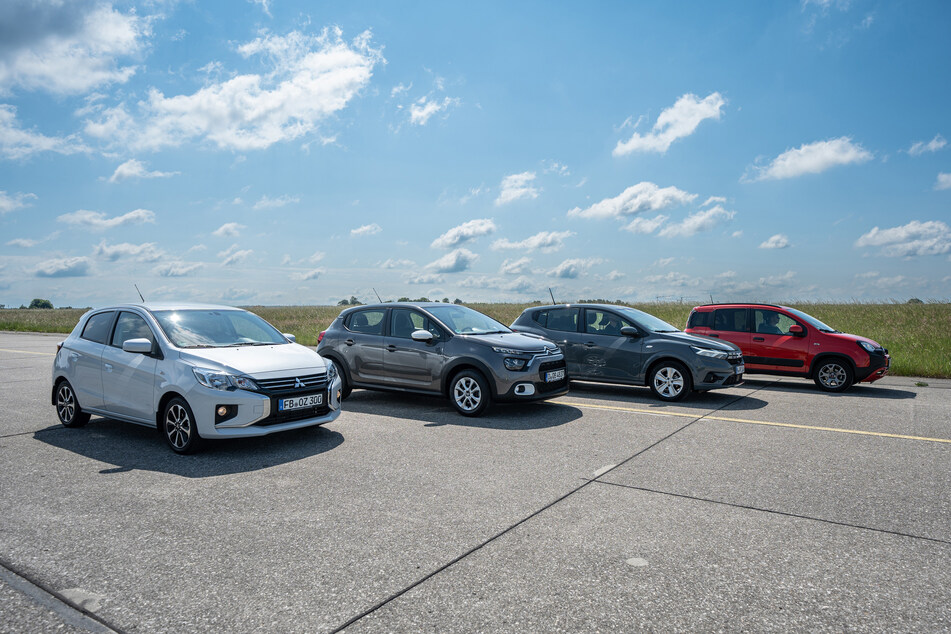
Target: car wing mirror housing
[[290, 337], [137, 346], [422, 335], [630, 331], [797, 330]]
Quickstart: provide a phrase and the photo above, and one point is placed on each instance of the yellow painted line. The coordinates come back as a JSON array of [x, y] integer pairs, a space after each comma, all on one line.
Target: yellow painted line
[[48, 354], [759, 422]]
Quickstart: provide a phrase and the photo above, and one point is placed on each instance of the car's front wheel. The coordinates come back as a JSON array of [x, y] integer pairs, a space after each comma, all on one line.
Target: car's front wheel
[[833, 375], [469, 393], [345, 387], [179, 428], [669, 381], [67, 407]]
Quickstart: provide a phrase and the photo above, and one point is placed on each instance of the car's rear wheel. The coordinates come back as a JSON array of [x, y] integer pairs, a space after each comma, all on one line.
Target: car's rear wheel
[[67, 407], [833, 375], [469, 393], [179, 428], [669, 381]]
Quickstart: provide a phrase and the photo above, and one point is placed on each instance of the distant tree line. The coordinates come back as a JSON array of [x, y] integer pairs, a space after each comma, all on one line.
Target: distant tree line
[[353, 301]]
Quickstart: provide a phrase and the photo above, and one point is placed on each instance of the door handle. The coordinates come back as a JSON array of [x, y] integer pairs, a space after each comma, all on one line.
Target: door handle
[[590, 344], [713, 335], [107, 367], [349, 342], [391, 348], [759, 339]]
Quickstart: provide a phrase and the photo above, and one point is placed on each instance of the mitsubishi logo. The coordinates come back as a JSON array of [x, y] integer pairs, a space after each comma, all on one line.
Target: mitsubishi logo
[[299, 383]]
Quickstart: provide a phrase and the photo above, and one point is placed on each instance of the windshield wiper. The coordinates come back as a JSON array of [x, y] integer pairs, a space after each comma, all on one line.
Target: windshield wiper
[[251, 343]]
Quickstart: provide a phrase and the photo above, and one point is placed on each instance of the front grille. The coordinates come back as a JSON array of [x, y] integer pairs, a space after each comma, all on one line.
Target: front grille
[[289, 386], [545, 387], [735, 358], [303, 384]]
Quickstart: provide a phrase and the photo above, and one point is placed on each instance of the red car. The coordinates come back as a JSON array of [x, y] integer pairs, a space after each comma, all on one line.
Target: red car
[[788, 342]]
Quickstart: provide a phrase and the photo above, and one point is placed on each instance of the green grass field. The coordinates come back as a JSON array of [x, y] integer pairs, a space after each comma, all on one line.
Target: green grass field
[[918, 336]]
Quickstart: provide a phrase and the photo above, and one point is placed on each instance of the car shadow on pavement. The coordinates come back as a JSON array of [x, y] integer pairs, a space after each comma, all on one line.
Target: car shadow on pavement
[[628, 395], [863, 390], [133, 447], [436, 411]]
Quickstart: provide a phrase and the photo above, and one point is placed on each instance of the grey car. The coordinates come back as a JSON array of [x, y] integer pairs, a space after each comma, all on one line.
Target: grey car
[[617, 344], [441, 349]]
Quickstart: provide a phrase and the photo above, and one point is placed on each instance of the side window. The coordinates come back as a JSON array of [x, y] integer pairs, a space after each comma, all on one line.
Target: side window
[[602, 322], [404, 321], [367, 321], [701, 319], [564, 319], [131, 326], [541, 318], [98, 326], [772, 322], [731, 320]]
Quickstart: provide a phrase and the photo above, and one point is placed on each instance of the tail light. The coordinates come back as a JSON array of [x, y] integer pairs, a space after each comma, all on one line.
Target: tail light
[[321, 336]]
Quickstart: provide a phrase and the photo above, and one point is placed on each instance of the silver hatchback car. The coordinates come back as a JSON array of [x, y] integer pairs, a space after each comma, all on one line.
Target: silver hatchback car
[[193, 372]]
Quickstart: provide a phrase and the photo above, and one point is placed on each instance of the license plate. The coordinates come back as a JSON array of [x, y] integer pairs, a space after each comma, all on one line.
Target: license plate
[[740, 369], [300, 402], [554, 375]]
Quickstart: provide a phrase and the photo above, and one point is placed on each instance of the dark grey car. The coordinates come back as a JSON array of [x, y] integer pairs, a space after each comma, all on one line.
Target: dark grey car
[[446, 349], [618, 344]]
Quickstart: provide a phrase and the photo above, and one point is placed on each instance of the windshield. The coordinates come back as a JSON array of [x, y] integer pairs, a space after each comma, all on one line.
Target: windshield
[[465, 321], [647, 321], [809, 319], [216, 328]]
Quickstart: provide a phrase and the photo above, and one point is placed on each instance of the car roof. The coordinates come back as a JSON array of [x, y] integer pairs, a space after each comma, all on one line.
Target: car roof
[[579, 305], [398, 305], [741, 304], [161, 306]]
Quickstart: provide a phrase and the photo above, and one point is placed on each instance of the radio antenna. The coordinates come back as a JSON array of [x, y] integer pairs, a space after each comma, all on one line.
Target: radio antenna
[[552, 296], [139, 292], [377, 295]]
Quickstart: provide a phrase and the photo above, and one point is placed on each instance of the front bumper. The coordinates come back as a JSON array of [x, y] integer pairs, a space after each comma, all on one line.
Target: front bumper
[[877, 368], [717, 373], [533, 384]]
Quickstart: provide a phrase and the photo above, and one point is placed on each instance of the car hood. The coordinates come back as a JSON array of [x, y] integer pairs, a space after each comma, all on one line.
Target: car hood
[[698, 340], [844, 336], [256, 360], [516, 341]]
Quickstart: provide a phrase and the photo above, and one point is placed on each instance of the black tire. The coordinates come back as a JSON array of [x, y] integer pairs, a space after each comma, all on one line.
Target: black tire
[[345, 388], [670, 381], [833, 374], [178, 427], [67, 406], [469, 393]]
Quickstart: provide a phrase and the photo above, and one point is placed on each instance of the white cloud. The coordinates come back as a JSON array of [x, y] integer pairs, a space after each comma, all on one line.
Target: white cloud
[[98, 221], [943, 182], [275, 203], [515, 187], [811, 158], [228, 230], [454, 261], [515, 267], [645, 225], [554, 167], [615, 275], [695, 223], [10, 203], [366, 230], [308, 275], [26, 243], [920, 147], [397, 264], [644, 196], [546, 241], [573, 268], [425, 278], [663, 262], [66, 267], [176, 268], [913, 239], [677, 122], [778, 241], [136, 169], [146, 252], [265, 6], [424, 108], [17, 143], [312, 79], [463, 233], [232, 255], [67, 47], [712, 200], [316, 257]]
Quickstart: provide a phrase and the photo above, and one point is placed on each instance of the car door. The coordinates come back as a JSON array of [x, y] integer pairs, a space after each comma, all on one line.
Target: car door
[[732, 324], [607, 354], [362, 345], [128, 378], [560, 325], [85, 359], [409, 363], [772, 347]]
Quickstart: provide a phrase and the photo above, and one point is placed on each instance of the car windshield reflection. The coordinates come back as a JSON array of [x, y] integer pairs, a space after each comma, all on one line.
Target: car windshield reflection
[[217, 329]]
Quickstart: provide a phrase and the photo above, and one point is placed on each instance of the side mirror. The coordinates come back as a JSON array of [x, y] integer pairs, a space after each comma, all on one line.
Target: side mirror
[[796, 330], [630, 331], [137, 346], [422, 335], [290, 337]]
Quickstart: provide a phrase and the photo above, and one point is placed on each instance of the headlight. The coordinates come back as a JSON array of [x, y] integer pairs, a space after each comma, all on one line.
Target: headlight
[[331, 371], [867, 346], [707, 352], [507, 350], [223, 380], [513, 364]]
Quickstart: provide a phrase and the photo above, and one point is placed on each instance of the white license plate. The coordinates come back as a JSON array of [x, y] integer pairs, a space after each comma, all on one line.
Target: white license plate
[[554, 375], [740, 369], [300, 402]]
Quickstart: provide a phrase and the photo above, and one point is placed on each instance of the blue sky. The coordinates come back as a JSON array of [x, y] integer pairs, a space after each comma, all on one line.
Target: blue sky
[[277, 152]]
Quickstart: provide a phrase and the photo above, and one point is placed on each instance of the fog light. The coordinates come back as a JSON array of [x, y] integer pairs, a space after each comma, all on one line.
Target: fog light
[[222, 411]]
